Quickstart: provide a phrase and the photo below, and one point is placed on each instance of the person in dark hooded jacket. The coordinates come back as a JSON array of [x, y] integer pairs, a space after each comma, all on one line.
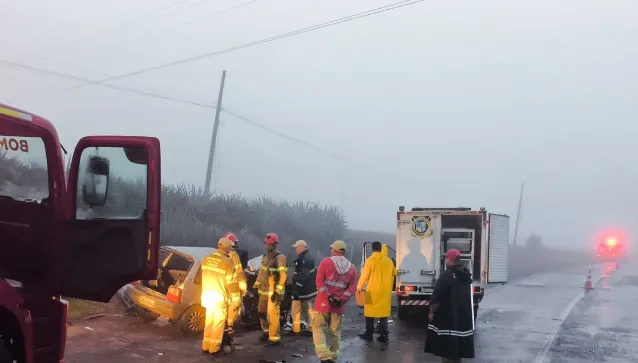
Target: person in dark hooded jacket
[[304, 288], [450, 332]]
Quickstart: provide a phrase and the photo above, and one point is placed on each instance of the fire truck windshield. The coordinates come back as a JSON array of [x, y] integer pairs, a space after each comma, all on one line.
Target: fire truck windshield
[[23, 168]]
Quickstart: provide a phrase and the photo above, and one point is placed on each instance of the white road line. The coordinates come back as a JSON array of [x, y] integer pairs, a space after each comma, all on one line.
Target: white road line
[[541, 357]]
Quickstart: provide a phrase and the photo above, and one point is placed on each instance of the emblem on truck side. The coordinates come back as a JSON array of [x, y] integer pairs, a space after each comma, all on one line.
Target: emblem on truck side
[[421, 227]]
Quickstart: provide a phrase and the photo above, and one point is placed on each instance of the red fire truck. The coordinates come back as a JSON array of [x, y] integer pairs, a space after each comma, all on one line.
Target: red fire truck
[[60, 234], [611, 248], [611, 244]]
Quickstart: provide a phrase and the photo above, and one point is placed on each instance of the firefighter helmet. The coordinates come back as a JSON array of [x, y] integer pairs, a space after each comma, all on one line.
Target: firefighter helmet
[[271, 238], [232, 238]]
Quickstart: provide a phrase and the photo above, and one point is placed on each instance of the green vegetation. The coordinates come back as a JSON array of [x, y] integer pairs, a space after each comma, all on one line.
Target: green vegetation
[[79, 309], [192, 218]]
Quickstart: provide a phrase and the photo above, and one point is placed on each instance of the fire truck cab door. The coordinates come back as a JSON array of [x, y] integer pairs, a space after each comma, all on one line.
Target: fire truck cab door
[[112, 237]]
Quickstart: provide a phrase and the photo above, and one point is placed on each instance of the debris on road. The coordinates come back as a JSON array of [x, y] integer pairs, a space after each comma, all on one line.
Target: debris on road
[[91, 317], [161, 321], [297, 355], [89, 328]]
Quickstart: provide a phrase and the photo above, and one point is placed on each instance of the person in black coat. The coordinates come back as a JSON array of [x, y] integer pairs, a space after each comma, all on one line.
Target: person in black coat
[[304, 287], [450, 333]]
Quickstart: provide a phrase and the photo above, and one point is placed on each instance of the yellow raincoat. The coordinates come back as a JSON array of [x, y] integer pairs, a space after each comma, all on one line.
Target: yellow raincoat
[[378, 276]]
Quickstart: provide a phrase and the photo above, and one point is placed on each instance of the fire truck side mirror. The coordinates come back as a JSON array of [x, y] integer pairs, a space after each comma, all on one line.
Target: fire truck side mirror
[[96, 181]]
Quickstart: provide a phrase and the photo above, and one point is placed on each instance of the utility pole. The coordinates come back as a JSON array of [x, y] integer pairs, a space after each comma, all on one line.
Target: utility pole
[[518, 214], [211, 153]]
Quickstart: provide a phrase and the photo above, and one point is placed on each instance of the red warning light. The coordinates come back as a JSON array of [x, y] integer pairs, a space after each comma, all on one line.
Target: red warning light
[[612, 242]]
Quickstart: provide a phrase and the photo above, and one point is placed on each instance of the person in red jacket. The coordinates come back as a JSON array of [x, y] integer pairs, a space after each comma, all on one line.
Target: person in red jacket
[[336, 282]]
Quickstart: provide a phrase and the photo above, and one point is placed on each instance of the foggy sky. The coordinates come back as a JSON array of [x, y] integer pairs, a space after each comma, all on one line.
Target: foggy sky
[[456, 102]]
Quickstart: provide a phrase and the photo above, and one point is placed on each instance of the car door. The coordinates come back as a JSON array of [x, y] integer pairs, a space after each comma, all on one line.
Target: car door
[[112, 235]]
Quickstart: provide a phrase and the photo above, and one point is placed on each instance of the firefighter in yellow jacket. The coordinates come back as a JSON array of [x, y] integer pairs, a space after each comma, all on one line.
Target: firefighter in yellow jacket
[[234, 308], [217, 288], [271, 281]]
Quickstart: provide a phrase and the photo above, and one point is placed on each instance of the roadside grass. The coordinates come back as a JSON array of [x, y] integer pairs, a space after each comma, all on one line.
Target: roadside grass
[[79, 309]]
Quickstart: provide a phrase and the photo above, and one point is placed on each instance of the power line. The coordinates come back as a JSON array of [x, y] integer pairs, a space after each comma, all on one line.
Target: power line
[[145, 15], [190, 22], [43, 58], [309, 145], [251, 122], [360, 15], [186, 8], [120, 88]]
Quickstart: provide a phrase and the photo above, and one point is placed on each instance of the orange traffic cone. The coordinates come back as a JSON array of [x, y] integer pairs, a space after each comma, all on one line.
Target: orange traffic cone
[[588, 282]]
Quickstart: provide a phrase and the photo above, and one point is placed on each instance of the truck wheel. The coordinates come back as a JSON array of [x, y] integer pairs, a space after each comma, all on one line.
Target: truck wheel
[[193, 319], [5, 353]]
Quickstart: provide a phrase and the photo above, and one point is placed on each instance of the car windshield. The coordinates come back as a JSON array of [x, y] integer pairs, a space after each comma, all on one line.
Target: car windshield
[[23, 168]]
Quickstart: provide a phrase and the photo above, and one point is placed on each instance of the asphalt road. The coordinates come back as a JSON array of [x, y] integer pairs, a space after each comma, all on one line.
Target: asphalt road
[[603, 326], [541, 318]]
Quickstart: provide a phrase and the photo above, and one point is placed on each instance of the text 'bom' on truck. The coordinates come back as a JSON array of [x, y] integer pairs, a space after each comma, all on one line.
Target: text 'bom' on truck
[[424, 235]]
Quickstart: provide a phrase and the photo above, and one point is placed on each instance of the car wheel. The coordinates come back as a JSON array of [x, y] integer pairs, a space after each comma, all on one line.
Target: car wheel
[[192, 321], [5, 353]]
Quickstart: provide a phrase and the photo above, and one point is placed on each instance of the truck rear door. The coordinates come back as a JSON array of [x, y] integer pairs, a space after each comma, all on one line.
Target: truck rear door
[[112, 236], [417, 238], [498, 248]]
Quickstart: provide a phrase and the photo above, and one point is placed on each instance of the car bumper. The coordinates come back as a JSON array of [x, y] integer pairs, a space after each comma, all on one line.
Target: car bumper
[[155, 302]]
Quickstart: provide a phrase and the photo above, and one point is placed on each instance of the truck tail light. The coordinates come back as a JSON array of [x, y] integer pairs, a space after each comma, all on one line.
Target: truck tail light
[[403, 290], [477, 289], [174, 294]]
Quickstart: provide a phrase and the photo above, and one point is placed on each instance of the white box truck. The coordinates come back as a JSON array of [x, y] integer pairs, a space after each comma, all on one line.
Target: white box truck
[[424, 235]]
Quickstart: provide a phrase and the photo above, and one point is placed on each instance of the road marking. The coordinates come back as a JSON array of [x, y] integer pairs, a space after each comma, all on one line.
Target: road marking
[[541, 357]]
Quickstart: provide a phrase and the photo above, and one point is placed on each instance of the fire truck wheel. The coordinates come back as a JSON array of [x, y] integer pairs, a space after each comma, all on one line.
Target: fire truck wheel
[[5, 353], [193, 319]]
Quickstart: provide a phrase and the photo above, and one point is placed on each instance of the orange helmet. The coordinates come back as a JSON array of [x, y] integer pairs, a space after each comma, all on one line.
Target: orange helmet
[[232, 238], [271, 238]]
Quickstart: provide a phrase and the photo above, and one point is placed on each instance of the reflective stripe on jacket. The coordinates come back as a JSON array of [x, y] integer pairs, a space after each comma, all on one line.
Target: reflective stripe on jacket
[[239, 277], [217, 279], [272, 274], [336, 277]]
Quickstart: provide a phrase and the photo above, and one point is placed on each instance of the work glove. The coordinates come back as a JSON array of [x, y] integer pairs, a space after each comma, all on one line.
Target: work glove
[[334, 302], [295, 295], [276, 298]]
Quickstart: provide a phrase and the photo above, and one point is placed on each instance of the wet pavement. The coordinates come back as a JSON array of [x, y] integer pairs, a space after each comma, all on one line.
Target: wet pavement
[[517, 322], [603, 326]]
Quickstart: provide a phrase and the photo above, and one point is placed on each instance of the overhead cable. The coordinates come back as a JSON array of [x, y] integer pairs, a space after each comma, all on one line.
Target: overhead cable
[[367, 13], [120, 88]]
